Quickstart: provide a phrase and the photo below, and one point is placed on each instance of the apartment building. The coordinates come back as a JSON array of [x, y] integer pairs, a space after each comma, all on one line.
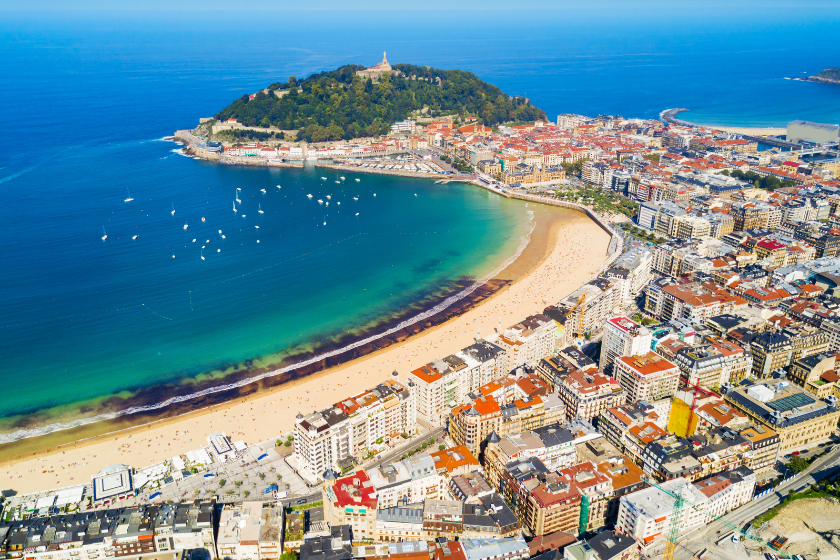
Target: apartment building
[[250, 531], [606, 545], [411, 480], [352, 501], [622, 337], [668, 300], [588, 393], [726, 491], [553, 505], [647, 378], [713, 363], [647, 515], [630, 273], [337, 435], [113, 533], [443, 384], [529, 341], [589, 306], [553, 445], [817, 374], [765, 444], [779, 349]]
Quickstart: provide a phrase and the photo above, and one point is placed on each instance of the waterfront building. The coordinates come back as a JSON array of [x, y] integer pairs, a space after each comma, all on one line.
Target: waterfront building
[[336, 436], [352, 501]]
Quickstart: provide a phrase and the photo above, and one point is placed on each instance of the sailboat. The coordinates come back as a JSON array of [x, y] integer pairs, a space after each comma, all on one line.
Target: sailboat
[[342, 178], [320, 201], [262, 191], [129, 199], [325, 220], [260, 209], [309, 196], [374, 194], [220, 233], [279, 187], [323, 178], [135, 237], [104, 237], [357, 213], [173, 208], [234, 206], [186, 226], [202, 219], [237, 197], [328, 203], [357, 180], [355, 198], [202, 253], [258, 227], [329, 196]]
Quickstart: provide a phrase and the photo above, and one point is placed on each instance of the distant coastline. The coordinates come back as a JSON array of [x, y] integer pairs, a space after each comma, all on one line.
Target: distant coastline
[[669, 116], [827, 76]]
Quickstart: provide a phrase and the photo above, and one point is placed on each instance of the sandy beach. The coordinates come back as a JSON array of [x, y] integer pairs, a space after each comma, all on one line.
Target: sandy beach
[[565, 249], [750, 131]]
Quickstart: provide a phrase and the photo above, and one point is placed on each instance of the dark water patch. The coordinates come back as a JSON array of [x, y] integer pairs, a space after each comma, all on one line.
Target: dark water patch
[[149, 396]]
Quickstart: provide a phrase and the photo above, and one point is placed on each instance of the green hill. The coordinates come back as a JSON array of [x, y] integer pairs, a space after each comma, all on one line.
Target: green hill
[[341, 105], [831, 75]]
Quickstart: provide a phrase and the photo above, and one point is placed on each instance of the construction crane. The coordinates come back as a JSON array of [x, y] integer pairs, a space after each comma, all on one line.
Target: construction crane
[[581, 300], [680, 503]]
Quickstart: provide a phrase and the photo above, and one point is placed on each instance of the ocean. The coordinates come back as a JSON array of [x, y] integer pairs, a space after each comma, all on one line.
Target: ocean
[[91, 326]]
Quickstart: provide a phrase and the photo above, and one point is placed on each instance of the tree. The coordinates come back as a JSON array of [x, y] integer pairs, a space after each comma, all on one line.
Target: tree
[[797, 464], [287, 443], [441, 447]]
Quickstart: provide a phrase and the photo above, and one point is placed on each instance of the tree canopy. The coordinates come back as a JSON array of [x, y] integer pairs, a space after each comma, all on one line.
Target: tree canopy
[[341, 105]]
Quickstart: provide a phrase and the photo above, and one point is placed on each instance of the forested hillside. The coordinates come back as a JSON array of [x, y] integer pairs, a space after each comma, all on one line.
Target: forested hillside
[[339, 104]]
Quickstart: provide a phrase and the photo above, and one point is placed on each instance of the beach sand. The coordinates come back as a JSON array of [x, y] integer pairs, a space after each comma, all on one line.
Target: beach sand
[[565, 249], [749, 131]]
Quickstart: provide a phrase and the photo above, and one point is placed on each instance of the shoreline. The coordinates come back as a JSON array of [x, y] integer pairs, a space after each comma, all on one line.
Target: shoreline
[[669, 116], [87, 455]]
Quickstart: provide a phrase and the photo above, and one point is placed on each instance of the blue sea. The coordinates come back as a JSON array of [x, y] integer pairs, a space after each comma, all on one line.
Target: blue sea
[[86, 325]]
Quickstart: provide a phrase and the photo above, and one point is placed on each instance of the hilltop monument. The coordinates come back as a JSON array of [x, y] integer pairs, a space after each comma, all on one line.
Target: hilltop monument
[[375, 72]]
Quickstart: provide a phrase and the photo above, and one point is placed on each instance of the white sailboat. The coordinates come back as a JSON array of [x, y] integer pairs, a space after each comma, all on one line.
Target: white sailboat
[[220, 233], [323, 178], [173, 208], [105, 236], [325, 220], [237, 197], [279, 187], [234, 206], [135, 237], [342, 178], [262, 191], [202, 219], [320, 201], [243, 215], [329, 196], [357, 180], [202, 253], [355, 198], [129, 199], [374, 194], [186, 226], [357, 213], [258, 227], [260, 209], [309, 196], [328, 203]]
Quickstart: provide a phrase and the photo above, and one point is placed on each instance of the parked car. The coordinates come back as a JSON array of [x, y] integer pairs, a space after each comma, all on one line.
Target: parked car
[[770, 556], [302, 501], [795, 453]]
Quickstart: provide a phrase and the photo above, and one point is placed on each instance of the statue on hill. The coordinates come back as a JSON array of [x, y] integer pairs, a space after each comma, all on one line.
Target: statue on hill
[[375, 72]]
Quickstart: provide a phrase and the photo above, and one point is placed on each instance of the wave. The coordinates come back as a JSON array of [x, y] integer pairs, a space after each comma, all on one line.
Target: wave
[[14, 176], [24, 433]]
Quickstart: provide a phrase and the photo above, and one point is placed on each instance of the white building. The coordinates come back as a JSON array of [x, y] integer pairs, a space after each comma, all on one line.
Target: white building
[[330, 438], [631, 273], [646, 515], [250, 531], [649, 377], [530, 341], [409, 481], [623, 337], [726, 491]]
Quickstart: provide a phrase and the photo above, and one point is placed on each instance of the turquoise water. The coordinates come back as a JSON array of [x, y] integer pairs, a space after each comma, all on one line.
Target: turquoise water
[[88, 96]]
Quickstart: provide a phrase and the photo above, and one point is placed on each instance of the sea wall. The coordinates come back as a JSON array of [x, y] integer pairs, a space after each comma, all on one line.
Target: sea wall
[[616, 245]]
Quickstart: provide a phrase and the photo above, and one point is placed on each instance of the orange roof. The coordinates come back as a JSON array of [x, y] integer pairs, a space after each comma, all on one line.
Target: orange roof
[[453, 458]]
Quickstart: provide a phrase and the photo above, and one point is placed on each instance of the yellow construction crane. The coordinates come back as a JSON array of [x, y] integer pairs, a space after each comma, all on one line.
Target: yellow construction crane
[[581, 300]]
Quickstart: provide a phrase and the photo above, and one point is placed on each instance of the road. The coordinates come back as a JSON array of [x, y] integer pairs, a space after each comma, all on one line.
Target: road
[[693, 543]]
